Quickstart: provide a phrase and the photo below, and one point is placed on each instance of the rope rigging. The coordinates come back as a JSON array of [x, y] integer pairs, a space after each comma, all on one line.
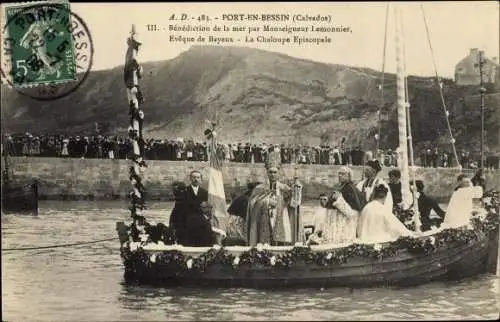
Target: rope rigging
[[440, 85], [414, 204], [379, 112], [59, 246]]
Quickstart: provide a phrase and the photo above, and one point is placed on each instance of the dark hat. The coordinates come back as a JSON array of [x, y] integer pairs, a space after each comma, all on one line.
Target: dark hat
[[374, 164]]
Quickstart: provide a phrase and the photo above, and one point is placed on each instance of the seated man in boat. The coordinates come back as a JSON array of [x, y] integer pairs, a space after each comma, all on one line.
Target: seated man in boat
[[199, 230], [319, 222], [425, 205], [343, 207], [377, 223], [395, 187], [270, 210], [461, 206], [372, 180], [237, 215], [479, 179]]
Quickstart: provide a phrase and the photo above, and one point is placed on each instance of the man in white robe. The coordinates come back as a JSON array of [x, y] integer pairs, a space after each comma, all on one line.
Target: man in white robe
[[376, 224], [461, 205], [372, 179]]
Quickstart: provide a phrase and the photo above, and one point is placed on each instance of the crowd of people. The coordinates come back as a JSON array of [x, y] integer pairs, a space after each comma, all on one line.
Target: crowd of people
[[118, 147], [269, 212]]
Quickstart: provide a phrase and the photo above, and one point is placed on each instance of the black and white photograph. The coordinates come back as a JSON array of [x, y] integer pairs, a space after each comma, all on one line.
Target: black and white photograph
[[250, 161]]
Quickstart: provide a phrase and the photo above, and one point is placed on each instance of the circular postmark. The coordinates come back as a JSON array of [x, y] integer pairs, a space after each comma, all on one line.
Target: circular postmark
[[47, 50]]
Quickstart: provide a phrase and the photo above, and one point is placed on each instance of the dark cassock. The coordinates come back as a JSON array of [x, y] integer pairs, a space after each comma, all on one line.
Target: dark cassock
[[425, 205], [395, 188], [178, 216], [352, 195], [271, 218], [199, 227]]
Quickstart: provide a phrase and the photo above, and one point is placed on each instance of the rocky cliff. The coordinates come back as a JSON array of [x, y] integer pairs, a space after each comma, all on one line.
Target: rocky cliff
[[258, 96]]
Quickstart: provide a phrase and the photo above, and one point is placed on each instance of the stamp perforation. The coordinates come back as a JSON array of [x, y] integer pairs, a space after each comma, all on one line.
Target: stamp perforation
[[50, 67]]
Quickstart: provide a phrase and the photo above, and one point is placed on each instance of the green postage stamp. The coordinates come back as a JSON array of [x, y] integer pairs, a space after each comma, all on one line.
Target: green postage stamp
[[39, 43]]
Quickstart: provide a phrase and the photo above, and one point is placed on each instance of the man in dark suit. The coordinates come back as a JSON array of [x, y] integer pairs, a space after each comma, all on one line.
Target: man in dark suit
[[188, 204], [195, 194], [425, 205]]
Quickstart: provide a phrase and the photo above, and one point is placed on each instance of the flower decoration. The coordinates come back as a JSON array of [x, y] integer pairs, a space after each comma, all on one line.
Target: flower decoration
[[236, 261], [272, 260], [136, 258], [189, 263]]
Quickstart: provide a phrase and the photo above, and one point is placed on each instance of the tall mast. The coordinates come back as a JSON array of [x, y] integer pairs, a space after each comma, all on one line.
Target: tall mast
[[401, 105]]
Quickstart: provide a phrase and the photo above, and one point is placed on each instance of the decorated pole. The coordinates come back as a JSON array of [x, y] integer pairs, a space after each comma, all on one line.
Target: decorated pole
[[132, 74]]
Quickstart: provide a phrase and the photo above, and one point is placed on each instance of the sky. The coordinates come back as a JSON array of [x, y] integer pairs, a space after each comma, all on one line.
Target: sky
[[454, 27]]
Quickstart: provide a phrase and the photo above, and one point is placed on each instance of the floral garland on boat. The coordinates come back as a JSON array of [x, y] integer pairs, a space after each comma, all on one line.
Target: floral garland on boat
[[490, 201], [182, 264]]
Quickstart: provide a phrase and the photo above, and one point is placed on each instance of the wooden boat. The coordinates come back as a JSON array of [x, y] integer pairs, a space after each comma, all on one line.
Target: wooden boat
[[448, 254], [20, 198], [149, 257]]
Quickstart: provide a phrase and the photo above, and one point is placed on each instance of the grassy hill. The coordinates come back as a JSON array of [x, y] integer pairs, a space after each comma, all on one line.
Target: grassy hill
[[257, 96]]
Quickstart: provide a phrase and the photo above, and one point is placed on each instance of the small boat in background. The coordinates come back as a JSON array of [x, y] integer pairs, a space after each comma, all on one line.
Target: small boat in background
[[18, 197]]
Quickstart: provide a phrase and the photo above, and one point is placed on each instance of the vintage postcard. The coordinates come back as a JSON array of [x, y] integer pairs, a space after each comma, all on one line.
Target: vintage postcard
[[250, 161]]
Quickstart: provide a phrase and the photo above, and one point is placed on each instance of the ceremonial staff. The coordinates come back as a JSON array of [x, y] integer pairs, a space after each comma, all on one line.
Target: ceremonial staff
[[295, 203], [132, 74]]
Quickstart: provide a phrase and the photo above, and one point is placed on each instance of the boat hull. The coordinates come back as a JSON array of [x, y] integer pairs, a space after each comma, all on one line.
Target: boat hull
[[20, 198], [404, 269]]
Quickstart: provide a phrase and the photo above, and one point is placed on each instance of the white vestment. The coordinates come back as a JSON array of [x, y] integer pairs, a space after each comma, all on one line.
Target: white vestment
[[337, 225], [459, 211], [368, 190], [377, 224]]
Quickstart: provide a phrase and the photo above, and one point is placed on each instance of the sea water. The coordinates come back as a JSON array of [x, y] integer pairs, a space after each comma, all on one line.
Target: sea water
[[86, 283]]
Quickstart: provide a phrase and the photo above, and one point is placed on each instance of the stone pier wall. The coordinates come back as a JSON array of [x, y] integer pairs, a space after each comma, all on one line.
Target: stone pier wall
[[108, 179]]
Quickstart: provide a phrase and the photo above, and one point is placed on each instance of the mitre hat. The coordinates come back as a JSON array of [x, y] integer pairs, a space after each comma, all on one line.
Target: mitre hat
[[273, 160]]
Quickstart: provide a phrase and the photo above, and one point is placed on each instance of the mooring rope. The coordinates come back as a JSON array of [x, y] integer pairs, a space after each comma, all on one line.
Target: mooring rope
[[59, 246]]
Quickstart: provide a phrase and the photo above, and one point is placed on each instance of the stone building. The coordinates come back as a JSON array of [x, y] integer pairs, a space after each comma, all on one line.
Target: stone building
[[467, 70]]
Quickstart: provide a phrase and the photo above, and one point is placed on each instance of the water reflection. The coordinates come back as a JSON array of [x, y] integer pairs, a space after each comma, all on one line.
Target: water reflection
[[86, 283]]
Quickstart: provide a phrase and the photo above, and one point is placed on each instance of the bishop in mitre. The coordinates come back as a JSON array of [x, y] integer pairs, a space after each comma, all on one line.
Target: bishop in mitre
[[270, 211]]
